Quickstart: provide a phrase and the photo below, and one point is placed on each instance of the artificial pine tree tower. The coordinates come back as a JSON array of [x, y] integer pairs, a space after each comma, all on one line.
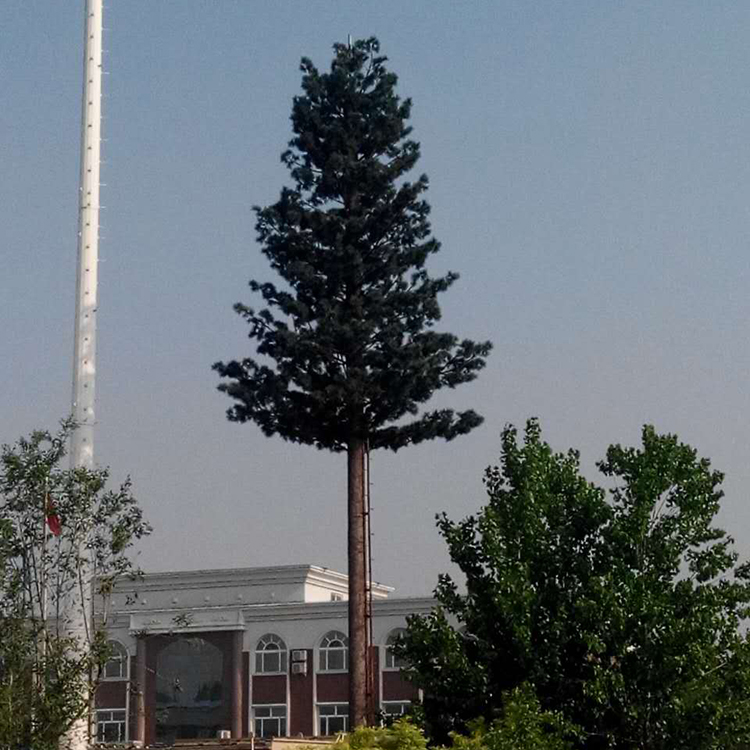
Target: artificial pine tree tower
[[348, 341]]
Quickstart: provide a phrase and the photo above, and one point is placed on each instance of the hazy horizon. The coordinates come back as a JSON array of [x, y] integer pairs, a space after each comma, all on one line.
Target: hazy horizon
[[586, 168]]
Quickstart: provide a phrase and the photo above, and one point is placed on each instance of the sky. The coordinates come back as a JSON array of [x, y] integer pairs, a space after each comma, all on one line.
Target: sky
[[589, 181]]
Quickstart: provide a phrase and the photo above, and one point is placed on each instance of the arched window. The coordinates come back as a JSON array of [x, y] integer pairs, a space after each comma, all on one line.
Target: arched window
[[116, 667], [334, 652], [391, 660], [270, 655]]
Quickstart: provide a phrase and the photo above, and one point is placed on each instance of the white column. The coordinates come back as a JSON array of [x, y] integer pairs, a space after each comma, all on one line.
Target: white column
[[78, 609], [84, 365]]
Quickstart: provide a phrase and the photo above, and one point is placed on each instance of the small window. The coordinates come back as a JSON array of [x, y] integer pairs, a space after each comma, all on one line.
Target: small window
[[270, 655], [270, 721], [334, 652], [396, 709], [116, 667], [110, 726], [333, 718], [391, 660]]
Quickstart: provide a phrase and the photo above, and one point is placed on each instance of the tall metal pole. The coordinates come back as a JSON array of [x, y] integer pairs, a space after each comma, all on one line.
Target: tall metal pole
[[369, 677], [84, 365], [357, 604], [78, 613]]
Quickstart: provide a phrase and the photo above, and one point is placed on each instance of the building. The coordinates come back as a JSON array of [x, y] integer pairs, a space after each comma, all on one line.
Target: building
[[246, 650]]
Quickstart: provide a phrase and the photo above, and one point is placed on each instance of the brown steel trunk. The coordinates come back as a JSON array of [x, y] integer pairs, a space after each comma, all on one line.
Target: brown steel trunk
[[357, 549]]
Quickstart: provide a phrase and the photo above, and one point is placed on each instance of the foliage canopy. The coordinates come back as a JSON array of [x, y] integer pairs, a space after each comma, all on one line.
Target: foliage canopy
[[350, 331], [47, 674], [621, 607]]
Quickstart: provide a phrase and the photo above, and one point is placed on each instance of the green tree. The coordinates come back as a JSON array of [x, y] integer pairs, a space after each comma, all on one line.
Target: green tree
[[47, 676], [401, 735], [523, 725], [621, 607], [349, 341]]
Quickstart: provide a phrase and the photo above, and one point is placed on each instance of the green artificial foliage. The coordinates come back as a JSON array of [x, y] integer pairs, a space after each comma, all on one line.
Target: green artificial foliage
[[349, 333], [47, 676], [346, 348], [623, 607]]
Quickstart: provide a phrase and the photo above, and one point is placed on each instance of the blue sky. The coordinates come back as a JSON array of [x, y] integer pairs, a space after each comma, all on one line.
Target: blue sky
[[589, 173]]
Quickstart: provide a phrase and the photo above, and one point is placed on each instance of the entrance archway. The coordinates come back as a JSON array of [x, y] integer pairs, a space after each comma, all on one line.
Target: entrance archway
[[190, 695]]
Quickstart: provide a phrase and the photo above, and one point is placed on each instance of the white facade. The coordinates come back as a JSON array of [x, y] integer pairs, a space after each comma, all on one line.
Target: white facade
[[293, 611]]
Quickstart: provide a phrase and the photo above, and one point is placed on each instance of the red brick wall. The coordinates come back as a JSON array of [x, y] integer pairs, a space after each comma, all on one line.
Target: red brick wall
[[301, 700], [375, 672], [245, 697], [396, 688], [333, 688], [269, 688]]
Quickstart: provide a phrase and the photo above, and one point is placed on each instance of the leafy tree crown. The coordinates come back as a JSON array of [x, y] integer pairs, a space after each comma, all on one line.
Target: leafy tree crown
[[350, 332], [47, 674], [623, 607]]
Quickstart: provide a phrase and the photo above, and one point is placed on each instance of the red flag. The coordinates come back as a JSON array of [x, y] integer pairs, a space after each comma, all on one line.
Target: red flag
[[53, 520]]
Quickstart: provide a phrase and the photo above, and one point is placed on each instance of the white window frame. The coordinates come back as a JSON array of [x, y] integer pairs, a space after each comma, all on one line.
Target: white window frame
[[321, 718], [270, 707], [404, 707], [103, 722], [260, 654], [389, 658], [119, 654], [325, 651]]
